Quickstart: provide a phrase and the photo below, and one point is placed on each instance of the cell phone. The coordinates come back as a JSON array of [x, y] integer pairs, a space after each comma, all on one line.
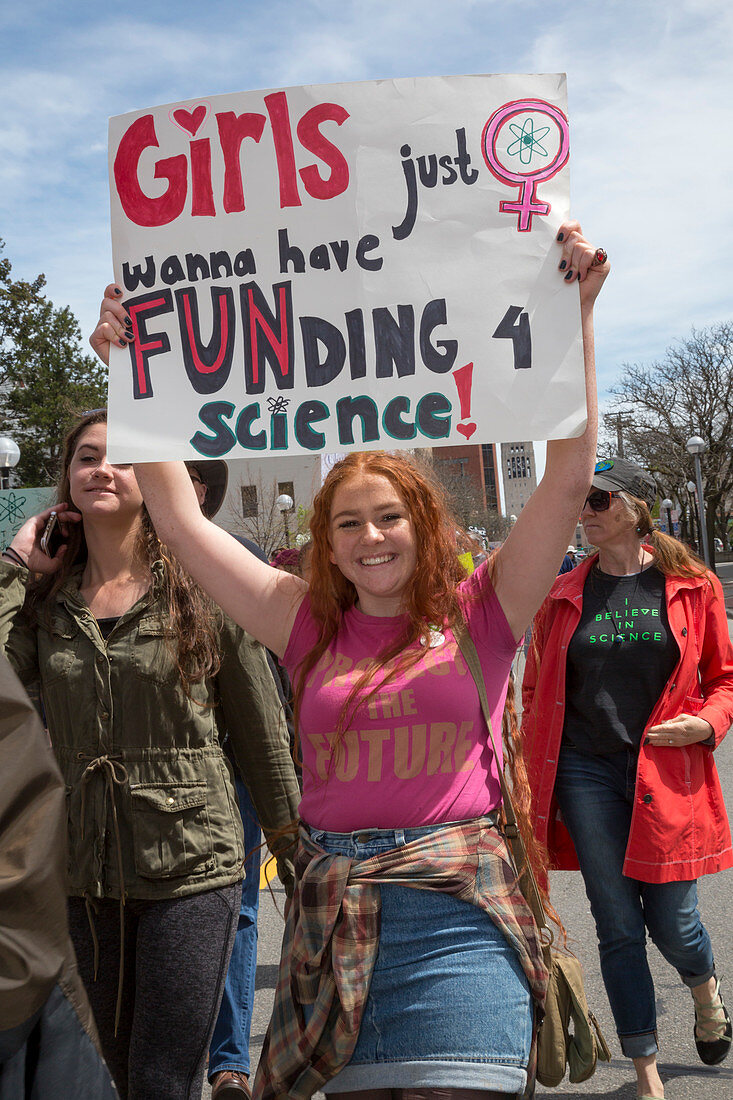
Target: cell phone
[[51, 538]]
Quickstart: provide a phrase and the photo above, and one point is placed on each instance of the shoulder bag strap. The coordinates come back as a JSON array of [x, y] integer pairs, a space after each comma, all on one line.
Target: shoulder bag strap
[[527, 881]]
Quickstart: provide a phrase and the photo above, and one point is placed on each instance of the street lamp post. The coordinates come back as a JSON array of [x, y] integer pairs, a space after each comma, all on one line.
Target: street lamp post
[[284, 504], [9, 457], [696, 446], [694, 517], [667, 505]]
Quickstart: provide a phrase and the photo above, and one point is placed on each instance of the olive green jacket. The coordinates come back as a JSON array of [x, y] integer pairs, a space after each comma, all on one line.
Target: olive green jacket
[[151, 807]]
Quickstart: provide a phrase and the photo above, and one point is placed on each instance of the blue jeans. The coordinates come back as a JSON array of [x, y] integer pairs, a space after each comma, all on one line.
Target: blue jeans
[[596, 797], [230, 1042], [448, 1005], [52, 1055]]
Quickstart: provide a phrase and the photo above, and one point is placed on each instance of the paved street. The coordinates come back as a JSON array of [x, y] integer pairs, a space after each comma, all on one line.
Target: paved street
[[684, 1076]]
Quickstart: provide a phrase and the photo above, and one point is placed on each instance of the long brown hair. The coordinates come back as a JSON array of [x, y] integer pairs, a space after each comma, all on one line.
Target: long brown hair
[[192, 616], [671, 557], [430, 597]]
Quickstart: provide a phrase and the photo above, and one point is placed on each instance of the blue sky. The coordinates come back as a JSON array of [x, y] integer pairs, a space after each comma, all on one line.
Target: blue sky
[[650, 85]]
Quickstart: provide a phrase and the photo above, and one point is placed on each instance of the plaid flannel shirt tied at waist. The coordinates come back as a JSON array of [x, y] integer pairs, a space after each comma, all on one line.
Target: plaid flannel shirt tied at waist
[[332, 935]]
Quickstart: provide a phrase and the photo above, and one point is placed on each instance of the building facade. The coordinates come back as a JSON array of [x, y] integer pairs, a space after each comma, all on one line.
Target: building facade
[[519, 474]]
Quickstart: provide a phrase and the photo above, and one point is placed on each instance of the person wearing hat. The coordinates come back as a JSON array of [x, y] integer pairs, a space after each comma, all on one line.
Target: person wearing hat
[[628, 690], [568, 562], [210, 479]]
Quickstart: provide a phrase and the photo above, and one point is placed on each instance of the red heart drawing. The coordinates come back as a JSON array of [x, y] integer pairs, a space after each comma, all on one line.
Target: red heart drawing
[[466, 429], [190, 120]]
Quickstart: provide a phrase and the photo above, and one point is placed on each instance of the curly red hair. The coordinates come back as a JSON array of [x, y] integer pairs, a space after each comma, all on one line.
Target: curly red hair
[[430, 597]]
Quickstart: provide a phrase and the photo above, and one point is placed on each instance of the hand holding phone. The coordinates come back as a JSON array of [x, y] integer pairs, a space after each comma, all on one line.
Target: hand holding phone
[[51, 539]]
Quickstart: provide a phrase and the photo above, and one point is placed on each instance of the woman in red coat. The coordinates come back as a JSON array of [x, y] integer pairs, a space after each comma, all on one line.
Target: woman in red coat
[[628, 689]]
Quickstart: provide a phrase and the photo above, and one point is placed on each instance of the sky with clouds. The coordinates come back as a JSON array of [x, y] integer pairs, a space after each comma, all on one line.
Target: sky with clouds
[[650, 86]]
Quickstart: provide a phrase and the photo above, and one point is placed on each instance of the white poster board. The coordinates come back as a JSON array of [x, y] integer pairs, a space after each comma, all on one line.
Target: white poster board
[[322, 269]]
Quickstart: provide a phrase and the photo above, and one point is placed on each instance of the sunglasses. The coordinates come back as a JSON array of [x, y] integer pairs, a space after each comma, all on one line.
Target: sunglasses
[[599, 500]]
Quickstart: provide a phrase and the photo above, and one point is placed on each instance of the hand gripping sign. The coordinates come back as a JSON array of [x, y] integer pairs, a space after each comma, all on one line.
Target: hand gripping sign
[[304, 267]]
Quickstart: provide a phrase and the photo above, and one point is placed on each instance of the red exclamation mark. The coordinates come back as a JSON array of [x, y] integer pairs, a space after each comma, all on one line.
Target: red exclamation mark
[[463, 378]]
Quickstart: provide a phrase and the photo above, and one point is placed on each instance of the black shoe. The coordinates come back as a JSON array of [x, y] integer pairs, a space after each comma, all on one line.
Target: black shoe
[[712, 1051]]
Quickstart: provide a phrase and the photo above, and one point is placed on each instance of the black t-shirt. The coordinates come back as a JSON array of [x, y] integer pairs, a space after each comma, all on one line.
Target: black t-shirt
[[106, 626], [619, 660]]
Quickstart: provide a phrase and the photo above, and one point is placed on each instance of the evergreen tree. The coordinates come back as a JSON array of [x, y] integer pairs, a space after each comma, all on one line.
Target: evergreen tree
[[45, 376]]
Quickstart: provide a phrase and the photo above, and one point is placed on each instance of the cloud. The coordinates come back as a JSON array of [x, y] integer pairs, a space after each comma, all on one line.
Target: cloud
[[649, 85]]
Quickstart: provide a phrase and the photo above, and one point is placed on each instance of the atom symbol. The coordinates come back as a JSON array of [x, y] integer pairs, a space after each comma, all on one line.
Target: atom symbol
[[11, 509], [277, 404], [528, 140]]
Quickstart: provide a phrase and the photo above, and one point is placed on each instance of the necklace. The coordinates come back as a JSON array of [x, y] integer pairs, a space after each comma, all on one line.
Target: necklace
[[618, 638]]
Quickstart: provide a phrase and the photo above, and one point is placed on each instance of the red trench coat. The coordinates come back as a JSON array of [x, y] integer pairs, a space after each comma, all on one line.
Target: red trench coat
[[679, 827]]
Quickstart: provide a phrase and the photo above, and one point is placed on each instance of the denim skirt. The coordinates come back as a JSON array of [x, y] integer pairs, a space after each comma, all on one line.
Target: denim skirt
[[449, 1005]]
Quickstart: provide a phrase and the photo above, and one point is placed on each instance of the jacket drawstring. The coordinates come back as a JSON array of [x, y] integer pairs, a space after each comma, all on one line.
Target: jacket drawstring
[[89, 903], [115, 774]]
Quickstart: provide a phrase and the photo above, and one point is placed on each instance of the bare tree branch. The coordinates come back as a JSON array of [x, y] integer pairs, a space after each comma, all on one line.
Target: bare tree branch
[[688, 392]]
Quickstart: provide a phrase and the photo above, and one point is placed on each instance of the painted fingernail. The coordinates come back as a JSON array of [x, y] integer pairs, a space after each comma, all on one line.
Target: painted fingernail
[[578, 276], [560, 237], [563, 265], [569, 276], [122, 343], [128, 324], [647, 741], [117, 291]]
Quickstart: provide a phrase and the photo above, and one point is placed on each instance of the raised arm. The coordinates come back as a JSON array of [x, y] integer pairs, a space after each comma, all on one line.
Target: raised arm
[[527, 563], [263, 600]]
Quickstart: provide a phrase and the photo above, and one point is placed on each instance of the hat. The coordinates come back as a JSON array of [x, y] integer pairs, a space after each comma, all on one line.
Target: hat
[[570, 550], [289, 558], [214, 473], [614, 474]]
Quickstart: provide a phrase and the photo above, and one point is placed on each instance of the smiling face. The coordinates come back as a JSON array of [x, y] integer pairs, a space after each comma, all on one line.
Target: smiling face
[[373, 541], [97, 488]]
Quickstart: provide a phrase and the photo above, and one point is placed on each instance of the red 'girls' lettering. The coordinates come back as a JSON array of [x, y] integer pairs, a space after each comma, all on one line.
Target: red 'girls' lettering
[[311, 138], [202, 195], [277, 109], [232, 130], [138, 206]]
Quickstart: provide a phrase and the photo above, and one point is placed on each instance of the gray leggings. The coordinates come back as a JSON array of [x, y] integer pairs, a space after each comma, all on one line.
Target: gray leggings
[[176, 958]]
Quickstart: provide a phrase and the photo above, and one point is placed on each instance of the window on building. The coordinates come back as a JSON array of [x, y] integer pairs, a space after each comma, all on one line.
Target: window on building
[[487, 458], [249, 501]]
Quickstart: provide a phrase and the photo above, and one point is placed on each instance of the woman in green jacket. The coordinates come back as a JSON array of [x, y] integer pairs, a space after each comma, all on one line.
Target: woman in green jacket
[[141, 677]]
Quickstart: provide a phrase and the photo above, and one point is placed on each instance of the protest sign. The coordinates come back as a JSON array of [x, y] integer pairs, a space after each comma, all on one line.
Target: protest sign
[[322, 269]]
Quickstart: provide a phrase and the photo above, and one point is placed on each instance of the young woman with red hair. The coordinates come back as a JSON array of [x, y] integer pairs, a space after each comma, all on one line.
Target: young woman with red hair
[[410, 962]]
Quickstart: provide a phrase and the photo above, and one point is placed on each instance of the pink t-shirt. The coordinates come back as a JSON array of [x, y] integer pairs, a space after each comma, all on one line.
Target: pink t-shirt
[[418, 752]]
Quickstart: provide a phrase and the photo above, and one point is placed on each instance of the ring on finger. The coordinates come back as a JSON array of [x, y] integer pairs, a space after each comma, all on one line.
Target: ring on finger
[[600, 257]]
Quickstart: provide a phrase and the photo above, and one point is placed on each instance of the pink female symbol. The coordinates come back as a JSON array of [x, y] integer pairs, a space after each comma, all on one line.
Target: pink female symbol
[[528, 203]]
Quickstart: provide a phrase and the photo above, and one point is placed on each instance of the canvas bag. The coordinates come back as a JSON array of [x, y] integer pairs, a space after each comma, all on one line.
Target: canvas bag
[[566, 1005]]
